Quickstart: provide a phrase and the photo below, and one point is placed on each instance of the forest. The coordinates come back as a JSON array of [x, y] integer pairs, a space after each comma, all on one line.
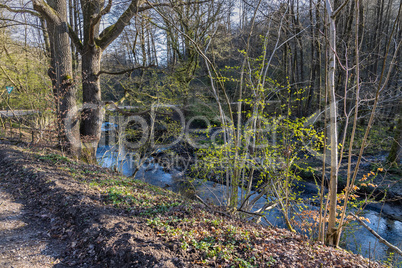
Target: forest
[[286, 109]]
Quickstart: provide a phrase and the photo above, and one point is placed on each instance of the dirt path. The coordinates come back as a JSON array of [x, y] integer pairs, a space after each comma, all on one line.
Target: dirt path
[[24, 242], [49, 219]]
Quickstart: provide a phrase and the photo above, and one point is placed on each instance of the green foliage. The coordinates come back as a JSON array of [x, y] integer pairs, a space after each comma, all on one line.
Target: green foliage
[[144, 90], [275, 152], [378, 139], [54, 158], [134, 195], [120, 195], [25, 68], [215, 239], [393, 260], [257, 154]]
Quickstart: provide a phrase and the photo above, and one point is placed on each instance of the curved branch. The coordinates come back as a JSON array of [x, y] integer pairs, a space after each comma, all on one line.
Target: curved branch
[[20, 10], [48, 12], [109, 34], [15, 22], [96, 18], [75, 39]]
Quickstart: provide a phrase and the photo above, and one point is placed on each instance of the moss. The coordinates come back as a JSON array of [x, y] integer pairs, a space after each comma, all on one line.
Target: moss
[[88, 153], [67, 77]]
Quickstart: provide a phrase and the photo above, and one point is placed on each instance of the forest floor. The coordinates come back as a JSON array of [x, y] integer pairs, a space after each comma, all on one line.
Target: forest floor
[[56, 212]]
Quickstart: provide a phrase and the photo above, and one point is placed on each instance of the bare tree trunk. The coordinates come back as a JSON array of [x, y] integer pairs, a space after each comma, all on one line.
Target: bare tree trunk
[[349, 182], [61, 73], [92, 115], [331, 232]]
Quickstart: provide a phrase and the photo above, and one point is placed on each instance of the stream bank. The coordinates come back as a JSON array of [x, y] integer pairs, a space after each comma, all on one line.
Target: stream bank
[[108, 220], [383, 217]]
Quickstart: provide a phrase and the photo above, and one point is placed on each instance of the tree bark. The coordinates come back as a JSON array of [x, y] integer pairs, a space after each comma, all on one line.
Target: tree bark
[[92, 113], [91, 49], [55, 13], [333, 187]]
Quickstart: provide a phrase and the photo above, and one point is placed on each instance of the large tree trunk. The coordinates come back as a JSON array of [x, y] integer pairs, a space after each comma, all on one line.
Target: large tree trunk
[[61, 74], [91, 53], [92, 115], [55, 12]]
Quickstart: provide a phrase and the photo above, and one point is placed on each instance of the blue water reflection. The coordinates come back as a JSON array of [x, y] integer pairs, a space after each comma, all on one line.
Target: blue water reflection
[[355, 237]]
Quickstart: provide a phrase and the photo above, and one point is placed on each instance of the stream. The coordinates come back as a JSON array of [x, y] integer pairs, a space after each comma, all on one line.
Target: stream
[[354, 237]]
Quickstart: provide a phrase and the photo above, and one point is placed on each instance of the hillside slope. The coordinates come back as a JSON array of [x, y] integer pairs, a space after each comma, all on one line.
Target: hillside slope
[[101, 219]]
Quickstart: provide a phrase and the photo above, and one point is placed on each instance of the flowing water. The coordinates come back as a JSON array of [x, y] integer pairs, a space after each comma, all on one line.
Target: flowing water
[[355, 237]]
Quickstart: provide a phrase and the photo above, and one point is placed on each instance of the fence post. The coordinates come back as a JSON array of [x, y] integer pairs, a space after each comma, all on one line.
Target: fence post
[[10, 126]]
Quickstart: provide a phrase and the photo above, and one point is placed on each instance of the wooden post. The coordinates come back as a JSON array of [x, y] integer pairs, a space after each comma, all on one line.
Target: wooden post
[[11, 127]]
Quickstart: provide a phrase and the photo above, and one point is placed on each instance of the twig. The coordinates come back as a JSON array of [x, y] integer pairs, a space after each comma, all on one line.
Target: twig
[[251, 213], [208, 206]]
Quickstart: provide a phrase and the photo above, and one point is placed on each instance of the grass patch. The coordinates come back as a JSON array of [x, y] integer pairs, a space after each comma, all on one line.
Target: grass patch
[[219, 242], [54, 158]]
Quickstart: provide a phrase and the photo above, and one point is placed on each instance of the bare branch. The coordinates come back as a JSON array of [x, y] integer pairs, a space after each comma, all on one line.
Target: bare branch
[[380, 239], [20, 10], [16, 22], [75, 39], [103, 12], [329, 7], [44, 9], [251, 213], [125, 71], [94, 20], [336, 12], [109, 34], [150, 6], [8, 77]]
